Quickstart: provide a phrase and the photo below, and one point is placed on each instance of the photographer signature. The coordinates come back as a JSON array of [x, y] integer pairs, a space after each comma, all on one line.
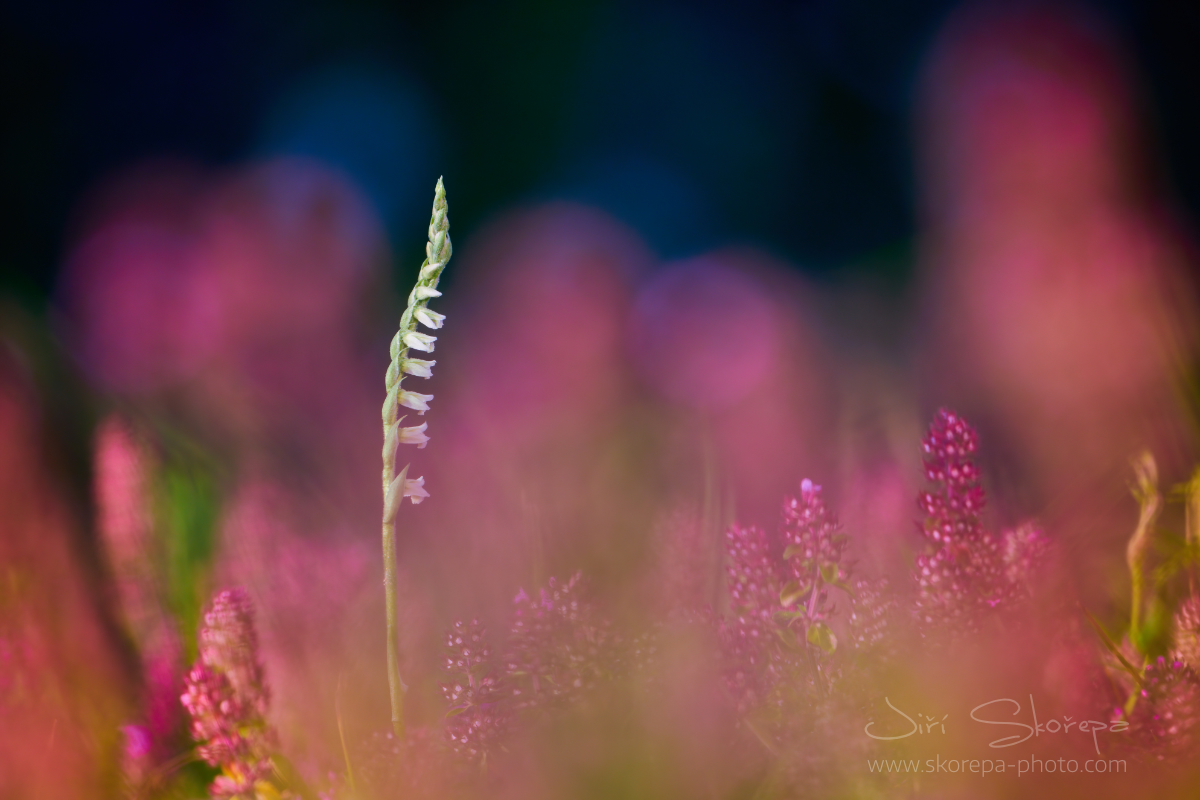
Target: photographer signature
[[984, 713]]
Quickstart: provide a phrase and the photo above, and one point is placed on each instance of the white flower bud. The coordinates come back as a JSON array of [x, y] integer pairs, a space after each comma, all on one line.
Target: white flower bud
[[430, 319], [420, 341], [435, 242], [426, 292]]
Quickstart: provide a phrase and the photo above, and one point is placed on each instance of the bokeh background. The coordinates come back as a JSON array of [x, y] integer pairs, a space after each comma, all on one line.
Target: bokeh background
[[703, 250], [785, 124]]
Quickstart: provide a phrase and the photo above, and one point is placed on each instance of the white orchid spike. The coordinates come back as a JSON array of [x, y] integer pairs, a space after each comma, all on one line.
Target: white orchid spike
[[398, 486]]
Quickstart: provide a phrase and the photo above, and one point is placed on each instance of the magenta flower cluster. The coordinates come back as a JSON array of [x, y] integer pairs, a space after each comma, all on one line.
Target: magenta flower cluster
[[780, 639], [559, 645], [751, 651], [226, 697], [558, 649], [476, 722], [802, 637], [966, 572], [814, 553]]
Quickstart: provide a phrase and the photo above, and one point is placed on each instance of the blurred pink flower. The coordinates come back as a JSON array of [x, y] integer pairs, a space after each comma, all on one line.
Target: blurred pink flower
[[245, 288], [308, 576], [549, 289], [966, 573], [477, 717], [704, 335], [225, 694], [65, 688], [141, 308], [728, 340], [1057, 290], [542, 423]]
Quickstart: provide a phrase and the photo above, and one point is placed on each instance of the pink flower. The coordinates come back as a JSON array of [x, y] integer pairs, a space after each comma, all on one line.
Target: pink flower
[[478, 720], [414, 488], [226, 696], [966, 572]]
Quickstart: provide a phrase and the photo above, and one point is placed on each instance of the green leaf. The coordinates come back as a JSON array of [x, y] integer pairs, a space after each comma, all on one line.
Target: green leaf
[[1178, 555], [820, 635], [289, 776], [792, 551], [790, 593], [829, 573], [789, 641], [186, 509], [1153, 637], [1134, 672]]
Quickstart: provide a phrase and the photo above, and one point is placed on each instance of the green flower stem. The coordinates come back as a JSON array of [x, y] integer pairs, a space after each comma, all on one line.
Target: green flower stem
[[396, 687], [1150, 503], [1192, 523]]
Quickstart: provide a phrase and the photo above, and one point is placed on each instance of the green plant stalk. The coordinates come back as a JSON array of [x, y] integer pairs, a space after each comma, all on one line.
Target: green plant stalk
[[1192, 522], [397, 487], [396, 687], [1150, 502], [337, 707]]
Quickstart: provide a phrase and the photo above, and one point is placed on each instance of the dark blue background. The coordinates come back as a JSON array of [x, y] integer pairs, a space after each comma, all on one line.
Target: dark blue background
[[700, 123]]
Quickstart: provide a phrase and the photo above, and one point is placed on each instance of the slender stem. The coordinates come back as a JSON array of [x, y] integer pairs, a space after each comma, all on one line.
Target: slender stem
[[813, 662], [1150, 502], [1191, 521], [337, 706], [396, 686]]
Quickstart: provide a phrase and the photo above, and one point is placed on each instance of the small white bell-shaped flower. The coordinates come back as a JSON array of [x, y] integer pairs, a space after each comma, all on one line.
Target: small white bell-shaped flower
[[415, 400], [418, 368], [428, 318], [415, 435], [420, 341]]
